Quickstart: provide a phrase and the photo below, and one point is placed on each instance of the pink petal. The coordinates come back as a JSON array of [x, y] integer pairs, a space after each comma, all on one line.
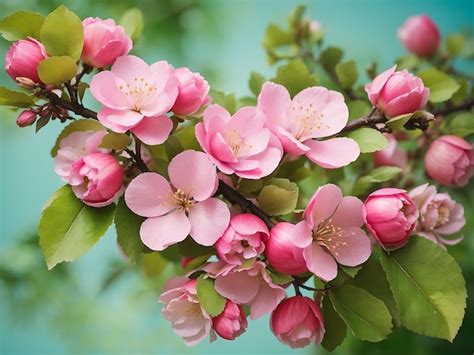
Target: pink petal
[[333, 153], [129, 67], [323, 204], [239, 287], [119, 121], [220, 149], [301, 234], [319, 262], [406, 103], [247, 120], [166, 80], [353, 247], [374, 88], [107, 54], [104, 88], [266, 300], [274, 100], [103, 116], [153, 130], [248, 224], [290, 143], [255, 144], [456, 222], [268, 162], [209, 219], [349, 213], [214, 118]]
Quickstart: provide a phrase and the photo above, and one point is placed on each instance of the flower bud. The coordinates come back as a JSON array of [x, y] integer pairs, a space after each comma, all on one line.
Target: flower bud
[[26, 118], [450, 161], [25, 83], [390, 215], [282, 254], [23, 58], [193, 92], [392, 155], [420, 35], [231, 323], [298, 322]]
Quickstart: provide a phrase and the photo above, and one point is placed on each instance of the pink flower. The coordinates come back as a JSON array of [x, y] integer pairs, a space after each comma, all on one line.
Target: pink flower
[[392, 155], [439, 214], [231, 323], [239, 144], [23, 58], [450, 161], [192, 92], [281, 253], [314, 26], [390, 214], [104, 42], [182, 207], [331, 232], [182, 308], [26, 118], [397, 92], [315, 112], [136, 97], [243, 239], [298, 322], [420, 35]]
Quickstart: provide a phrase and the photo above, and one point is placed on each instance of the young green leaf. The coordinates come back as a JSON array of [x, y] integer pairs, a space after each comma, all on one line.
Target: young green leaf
[[378, 175], [330, 57], [278, 278], [127, 226], [20, 25], [278, 197], [335, 327], [347, 74], [255, 82], [13, 98], [462, 124], [295, 76], [228, 101], [117, 141], [455, 43], [441, 85], [369, 140], [57, 70], [79, 125], [132, 22], [357, 108], [208, 297]]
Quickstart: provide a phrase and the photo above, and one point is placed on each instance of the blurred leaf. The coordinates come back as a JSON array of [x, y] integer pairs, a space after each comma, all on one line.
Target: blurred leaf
[[430, 302], [20, 25], [210, 300], [376, 176], [295, 76], [274, 37], [455, 43], [335, 327], [132, 21], [81, 90], [369, 140], [13, 98], [296, 15], [196, 263], [57, 70], [248, 185], [278, 278], [347, 74], [43, 121], [462, 124], [371, 70], [153, 264], [358, 108], [79, 125], [255, 82], [278, 197], [127, 226], [117, 141], [68, 228], [408, 62], [463, 91], [247, 101], [441, 85], [173, 147], [330, 57], [228, 101], [189, 247], [62, 33]]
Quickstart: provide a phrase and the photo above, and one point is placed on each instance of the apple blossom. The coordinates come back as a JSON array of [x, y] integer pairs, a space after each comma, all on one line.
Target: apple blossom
[[193, 92], [26, 118], [393, 155], [23, 58], [315, 112], [231, 323], [420, 35]]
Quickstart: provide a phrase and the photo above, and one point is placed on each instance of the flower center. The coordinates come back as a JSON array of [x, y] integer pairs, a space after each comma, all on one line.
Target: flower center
[[234, 140], [307, 120], [329, 236], [443, 214], [139, 90], [182, 200]]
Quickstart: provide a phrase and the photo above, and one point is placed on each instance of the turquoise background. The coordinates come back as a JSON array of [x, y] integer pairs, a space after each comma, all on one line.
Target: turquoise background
[[66, 310]]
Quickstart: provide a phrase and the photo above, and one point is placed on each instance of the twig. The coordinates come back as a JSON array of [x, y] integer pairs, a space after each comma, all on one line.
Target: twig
[[466, 105]]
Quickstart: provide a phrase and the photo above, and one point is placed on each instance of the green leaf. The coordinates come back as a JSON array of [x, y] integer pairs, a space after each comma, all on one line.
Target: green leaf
[[228, 101], [428, 287], [462, 124], [62, 33], [455, 43], [278, 197], [358, 108], [153, 264], [335, 327], [366, 316], [132, 22], [189, 247], [117, 141], [275, 37], [378, 175], [68, 228], [76, 126], [441, 85], [398, 122], [351, 271], [57, 70], [296, 15], [20, 25], [81, 90], [255, 82], [295, 76], [463, 91], [347, 74], [13, 98], [330, 57], [173, 147], [196, 263], [210, 300], [408, 62], [369, 140], [127, 226], [278, 278]]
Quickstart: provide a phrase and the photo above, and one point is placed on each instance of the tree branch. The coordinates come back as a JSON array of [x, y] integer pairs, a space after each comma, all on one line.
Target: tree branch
[[370, 120], [71, 106], [466, 105]]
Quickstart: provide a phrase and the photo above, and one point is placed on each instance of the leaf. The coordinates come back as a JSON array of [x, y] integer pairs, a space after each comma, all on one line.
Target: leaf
[[13, 98], [196, 263], [335, 327], [351, 271], [279, 279], [275, 37], [441, 85], [228, 101], [68, 228], [330, 57], [62, 33], [366, 316], [127, 226], [20, 25], [79, 125], [296, 15], [210, 300], [428, 288], [369, 140], [347, 74], [408, 62], [153, 264], [378, 175], [278, 197], [357, 108], [295, 76], [57, 70], [462, 124], [43, 121], [463, 91], [117, 141], [81, 90], [132, 22], [173, 147], [189, 247], [255, 82], [455, 43]]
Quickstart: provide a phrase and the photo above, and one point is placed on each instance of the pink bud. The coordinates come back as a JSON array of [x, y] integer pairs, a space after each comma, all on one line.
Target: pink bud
[[450, 161], [26, 118], [390, 214], [192, 93], [185, 260], [392, 155], [282, 254], [298, 322], [231, 323], [23, 58], [104, 42], [420, 35]]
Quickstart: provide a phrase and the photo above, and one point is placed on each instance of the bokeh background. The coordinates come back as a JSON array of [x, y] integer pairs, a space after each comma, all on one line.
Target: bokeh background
[[101, 305]]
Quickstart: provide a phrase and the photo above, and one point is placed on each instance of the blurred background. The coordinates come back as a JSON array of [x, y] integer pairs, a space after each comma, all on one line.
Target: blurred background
[[102, 305]]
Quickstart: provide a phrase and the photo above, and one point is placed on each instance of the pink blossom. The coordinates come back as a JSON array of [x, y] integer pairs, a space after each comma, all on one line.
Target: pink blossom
[[281, 253], [390, 215], [440, 215], [26, 118], [298, 322], [104, 42], [193, 92], [239, 144], [392, 155], [231, 323], [180, 207], [420, 35], [243, 239], [315, 112], [23, 58], [182, 308], [136, 97], [450, 161]]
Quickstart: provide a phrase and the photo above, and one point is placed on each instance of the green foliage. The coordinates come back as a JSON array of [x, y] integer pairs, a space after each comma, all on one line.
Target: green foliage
[[127, 226], [57, 70], [358, 108], [455, 43], [62, 33], [210, 300], [295, 76], [442, 86], [20, 25], [196, 263], [462, 124], [117, 141], [463, 91], [278, 197], [68, 228], [153, 264], [189, 247], [132, 22], [79, 125], [376, 176], [278, 278], [347, 74], [428, 288], [408, 62], [330, 57], [228, 101], [335, 327], [12, 98], [255, 82], [369, 140], [275, 37]]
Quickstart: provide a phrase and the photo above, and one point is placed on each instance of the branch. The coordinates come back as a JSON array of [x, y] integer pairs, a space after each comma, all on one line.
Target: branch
[[466, 105], [71, 106], [370, 120]]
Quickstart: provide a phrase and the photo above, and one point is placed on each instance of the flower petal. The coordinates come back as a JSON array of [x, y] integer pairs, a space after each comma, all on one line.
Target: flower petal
[[237, 286], [153, 130], [374, 88], [353, 247], [209, 219], [349, 213], [320, 262], [104, 88], [333, 153], [274, 100], [322, 204]]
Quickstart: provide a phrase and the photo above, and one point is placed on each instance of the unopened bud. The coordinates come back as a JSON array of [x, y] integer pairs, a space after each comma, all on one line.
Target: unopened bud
[[26, 118], [25, 83]]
